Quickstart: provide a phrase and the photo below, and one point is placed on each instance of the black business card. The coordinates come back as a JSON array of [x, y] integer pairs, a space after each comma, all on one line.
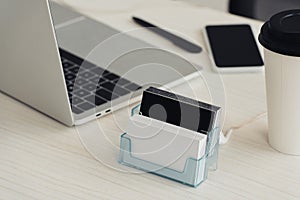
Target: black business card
[[179, 110]]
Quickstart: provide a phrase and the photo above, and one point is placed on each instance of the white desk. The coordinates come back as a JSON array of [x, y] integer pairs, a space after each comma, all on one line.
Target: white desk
[[42, 159]]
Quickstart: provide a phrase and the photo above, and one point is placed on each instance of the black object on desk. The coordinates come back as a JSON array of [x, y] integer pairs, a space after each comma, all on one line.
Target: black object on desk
[[233, 46], [176, 40], [179, 110]]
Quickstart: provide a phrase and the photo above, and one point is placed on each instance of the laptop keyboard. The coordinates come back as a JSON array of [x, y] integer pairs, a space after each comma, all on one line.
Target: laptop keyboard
[[89, 85]]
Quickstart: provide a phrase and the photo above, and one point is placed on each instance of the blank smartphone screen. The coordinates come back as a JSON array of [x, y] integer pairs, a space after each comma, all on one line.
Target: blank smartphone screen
[[233, 46]]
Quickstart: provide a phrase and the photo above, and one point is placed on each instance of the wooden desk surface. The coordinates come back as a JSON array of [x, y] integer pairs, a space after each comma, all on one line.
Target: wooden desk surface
[[43, 159]]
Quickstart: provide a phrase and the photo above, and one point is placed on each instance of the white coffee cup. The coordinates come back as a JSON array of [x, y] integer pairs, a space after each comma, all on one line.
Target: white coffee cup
[[281, 38]]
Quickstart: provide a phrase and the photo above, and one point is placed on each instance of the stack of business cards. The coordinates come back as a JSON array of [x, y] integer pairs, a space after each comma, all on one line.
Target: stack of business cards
[[179, 110], [172, 136], [163, 143]]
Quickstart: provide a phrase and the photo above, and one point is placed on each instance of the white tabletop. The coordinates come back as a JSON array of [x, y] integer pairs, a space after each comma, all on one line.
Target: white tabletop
[[43, 159]]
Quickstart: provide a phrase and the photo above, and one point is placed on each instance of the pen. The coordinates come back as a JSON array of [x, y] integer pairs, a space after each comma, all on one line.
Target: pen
[[176, 40]]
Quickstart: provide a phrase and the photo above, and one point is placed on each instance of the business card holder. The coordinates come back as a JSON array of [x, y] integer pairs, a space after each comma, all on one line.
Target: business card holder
[[195, 171]]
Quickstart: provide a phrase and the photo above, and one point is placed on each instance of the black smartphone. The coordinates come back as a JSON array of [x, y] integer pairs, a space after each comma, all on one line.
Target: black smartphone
[[233, 48]]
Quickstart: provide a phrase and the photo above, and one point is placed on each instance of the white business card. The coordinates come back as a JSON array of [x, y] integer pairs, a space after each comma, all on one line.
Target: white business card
[[164, 144]]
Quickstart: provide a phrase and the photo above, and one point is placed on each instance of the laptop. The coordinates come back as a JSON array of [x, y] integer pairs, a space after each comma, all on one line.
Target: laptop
[[73, 68]]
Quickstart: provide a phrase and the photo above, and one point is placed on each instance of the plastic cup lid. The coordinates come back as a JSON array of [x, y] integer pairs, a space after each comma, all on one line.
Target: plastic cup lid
[[281, 33]]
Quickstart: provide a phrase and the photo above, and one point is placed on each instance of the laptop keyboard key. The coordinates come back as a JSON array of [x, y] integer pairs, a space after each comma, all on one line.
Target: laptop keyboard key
[[75, 100], [80, 82], [70, 94], [105, 94], [63, 60], [97, 80], [70, 87], [85, 106], [94, 80], [108, 85], [74, 69], [94, 99], [115, 88], [101, 81], [67, 64], [81, 93], [70, 77], [85, 75], [76, 110], [65, 70], [90, 87], [111, 76]]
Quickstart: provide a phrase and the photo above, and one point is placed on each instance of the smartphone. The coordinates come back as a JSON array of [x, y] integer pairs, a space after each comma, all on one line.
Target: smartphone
[[233, 48]]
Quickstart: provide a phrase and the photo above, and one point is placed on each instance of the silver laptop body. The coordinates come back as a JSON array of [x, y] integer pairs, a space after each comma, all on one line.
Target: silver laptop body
[[39, 40]]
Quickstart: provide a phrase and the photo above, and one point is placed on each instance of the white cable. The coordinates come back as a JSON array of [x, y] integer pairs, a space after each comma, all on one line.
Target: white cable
[[225, 137]]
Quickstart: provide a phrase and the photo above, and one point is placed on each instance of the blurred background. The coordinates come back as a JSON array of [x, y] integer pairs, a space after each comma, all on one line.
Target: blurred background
[[216, 4], [257, 9]]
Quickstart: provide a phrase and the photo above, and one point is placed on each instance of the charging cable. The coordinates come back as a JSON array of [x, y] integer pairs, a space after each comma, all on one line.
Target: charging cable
[[224, 138]]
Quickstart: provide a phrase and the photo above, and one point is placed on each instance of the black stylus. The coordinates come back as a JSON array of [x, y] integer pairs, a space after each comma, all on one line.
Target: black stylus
[[176, 40]]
